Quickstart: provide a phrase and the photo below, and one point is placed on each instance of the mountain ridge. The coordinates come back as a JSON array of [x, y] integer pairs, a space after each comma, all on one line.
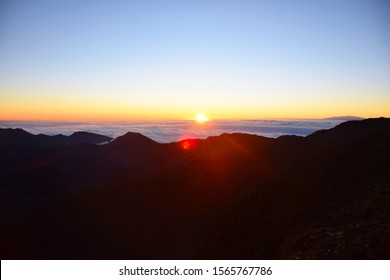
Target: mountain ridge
[[21, 137], [345, 118], [233, 196]]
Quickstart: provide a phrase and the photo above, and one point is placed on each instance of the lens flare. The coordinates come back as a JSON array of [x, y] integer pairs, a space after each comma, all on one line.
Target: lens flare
[[188, 144]]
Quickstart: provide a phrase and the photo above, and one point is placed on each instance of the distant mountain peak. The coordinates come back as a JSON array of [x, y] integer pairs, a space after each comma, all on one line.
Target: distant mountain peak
[[132, 141], [21, 137], [131, 136], [81, 133], [345, 118]]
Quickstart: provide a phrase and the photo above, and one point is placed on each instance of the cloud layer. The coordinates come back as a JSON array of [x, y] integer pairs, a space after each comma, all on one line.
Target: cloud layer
[[172, 131]]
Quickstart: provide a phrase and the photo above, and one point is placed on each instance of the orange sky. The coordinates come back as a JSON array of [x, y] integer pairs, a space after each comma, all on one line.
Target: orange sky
[[105, 104], [159, 61], [65, 108]]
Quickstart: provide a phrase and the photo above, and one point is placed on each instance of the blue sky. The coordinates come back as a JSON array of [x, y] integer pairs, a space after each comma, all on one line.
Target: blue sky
[[170, 58]]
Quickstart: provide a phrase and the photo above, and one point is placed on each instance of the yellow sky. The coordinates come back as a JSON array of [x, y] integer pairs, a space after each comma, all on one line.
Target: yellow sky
[[62, 106]]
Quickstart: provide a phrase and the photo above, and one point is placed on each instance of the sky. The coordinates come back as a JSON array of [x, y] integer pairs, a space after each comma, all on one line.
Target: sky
[[157, 59]]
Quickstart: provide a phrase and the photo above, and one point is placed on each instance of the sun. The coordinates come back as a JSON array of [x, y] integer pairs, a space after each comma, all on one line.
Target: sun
[[201, 118]]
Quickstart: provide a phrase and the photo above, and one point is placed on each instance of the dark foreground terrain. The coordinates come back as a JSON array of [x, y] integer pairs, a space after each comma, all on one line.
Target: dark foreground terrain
[[235, 196]]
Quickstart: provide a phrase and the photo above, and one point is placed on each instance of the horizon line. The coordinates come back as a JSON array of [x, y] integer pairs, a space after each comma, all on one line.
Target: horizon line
[[191, 119]]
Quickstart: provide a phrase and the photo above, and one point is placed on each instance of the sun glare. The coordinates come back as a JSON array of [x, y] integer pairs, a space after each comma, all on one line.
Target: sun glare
[[201, 118]]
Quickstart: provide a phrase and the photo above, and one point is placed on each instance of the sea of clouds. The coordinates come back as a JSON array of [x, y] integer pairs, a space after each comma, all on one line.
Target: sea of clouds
[[172, 131]]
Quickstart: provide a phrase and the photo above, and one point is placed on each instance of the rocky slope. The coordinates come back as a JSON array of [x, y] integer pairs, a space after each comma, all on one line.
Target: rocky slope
[[235, 196]]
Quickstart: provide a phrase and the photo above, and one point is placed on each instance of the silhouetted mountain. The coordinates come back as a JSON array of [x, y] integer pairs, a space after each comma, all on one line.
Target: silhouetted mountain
[[82, 137], [345, 118], [233, 196], [22, 138], [131, 142]]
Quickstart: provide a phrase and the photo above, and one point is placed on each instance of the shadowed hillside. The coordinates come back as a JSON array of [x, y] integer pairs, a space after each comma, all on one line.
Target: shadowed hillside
[[233, 196], [22, 138]]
